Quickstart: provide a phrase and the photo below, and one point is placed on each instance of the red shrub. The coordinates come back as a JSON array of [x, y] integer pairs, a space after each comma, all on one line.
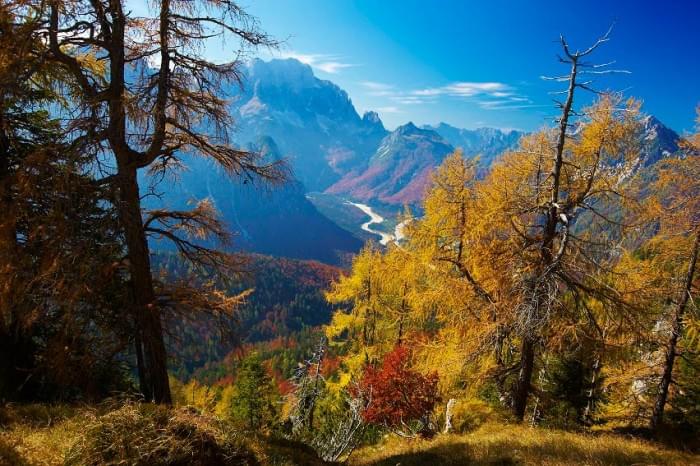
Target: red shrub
[[397, 394]]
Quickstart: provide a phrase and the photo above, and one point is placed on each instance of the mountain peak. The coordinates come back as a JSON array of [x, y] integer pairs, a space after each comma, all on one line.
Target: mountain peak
[[372, 117], [660, 141], [408, 128], [281, 72]]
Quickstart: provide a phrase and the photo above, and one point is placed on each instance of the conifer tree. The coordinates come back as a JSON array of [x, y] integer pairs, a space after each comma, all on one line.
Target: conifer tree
[[59, 242], [677, 196], [254, 398], [146, 96]]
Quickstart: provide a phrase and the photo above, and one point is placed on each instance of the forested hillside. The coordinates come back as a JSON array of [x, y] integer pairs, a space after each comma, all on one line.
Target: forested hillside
[[284, 303]]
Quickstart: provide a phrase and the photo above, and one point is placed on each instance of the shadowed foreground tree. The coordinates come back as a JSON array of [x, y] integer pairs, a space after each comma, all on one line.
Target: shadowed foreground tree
[[153, 98], [59, 286]]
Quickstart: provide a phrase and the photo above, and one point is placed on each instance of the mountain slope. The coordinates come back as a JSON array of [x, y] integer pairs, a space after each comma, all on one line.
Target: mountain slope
[[270, 220], [287, 298], [488, 143], [399, 170], [660, 141], [313, 121]]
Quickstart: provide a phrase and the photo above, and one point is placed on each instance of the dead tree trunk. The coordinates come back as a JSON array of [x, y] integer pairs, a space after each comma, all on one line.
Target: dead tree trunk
[[522, 387], [676, 331], [527, 358], [591, 392]]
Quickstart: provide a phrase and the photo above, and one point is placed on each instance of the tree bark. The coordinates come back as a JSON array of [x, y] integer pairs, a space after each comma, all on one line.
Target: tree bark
[[676, 331], [153, 364], [591, 392], [522, 388], [147, 314]]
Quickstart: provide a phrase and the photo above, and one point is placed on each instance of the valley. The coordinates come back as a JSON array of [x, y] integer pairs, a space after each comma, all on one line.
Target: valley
[[335, 155], [365, 236], [374, 219]]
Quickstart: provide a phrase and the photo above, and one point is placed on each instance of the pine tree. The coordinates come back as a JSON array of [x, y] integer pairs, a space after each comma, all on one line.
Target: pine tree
[[254, 398]]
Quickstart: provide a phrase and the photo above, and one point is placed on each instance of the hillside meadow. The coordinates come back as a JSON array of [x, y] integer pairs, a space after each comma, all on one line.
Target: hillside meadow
[[54, 435]]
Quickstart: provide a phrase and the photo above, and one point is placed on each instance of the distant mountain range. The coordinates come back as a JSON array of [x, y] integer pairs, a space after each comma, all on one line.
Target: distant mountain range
[[288, 112], [334, 150], [312, 121], [399, 170]]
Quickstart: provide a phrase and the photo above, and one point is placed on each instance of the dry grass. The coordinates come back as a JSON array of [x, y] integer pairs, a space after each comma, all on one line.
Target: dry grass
[[50, 435], [143, 434], [499, 444], [37, 435], [134, 434]]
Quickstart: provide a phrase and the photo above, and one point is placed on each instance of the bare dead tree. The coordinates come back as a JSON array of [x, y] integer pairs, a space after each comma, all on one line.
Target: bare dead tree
[[551, 237], [342, 439], [307, 381]]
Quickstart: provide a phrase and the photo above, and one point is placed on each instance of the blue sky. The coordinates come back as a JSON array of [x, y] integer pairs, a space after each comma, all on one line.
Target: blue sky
[[475, 64]]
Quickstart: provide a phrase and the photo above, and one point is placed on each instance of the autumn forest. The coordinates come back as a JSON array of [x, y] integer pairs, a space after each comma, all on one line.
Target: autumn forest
[[539, 306]]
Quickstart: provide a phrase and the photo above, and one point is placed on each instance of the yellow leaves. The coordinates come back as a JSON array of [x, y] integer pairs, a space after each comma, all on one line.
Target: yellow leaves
[[223, 406], [193, 393], [340, 323], [454, 289], [90, 62], [337, 386], [692, 325], [676, 203]]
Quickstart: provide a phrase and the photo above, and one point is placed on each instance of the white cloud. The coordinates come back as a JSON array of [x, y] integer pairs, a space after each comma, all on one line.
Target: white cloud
[[327, 63], [378, 89], [389, 109], [486, 94], [510, 104], [376, 86], [467, 89], [331, 67]]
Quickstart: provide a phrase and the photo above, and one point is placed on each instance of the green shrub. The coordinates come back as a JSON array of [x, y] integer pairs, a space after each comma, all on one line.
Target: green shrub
[[140, 434]]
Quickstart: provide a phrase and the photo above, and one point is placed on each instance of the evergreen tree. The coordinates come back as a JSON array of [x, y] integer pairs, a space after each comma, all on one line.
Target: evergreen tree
[[254, 400]]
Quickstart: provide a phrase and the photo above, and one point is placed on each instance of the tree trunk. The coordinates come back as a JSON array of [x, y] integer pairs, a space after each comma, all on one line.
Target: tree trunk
[[8, 227], [591, 393], [153, 365], [147, 314], [527, 357], [144, 386], [9, 327], [522, 388], [676, 331]]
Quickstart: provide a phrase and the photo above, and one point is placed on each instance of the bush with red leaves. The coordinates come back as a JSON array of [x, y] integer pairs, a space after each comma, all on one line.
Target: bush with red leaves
[[397, 395]]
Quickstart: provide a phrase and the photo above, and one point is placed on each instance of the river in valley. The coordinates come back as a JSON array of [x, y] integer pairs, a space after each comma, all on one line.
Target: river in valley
[[376, 219]]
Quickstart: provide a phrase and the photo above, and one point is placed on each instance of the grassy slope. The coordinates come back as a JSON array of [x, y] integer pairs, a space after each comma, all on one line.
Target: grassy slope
[[41, 435], [499, 444]]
